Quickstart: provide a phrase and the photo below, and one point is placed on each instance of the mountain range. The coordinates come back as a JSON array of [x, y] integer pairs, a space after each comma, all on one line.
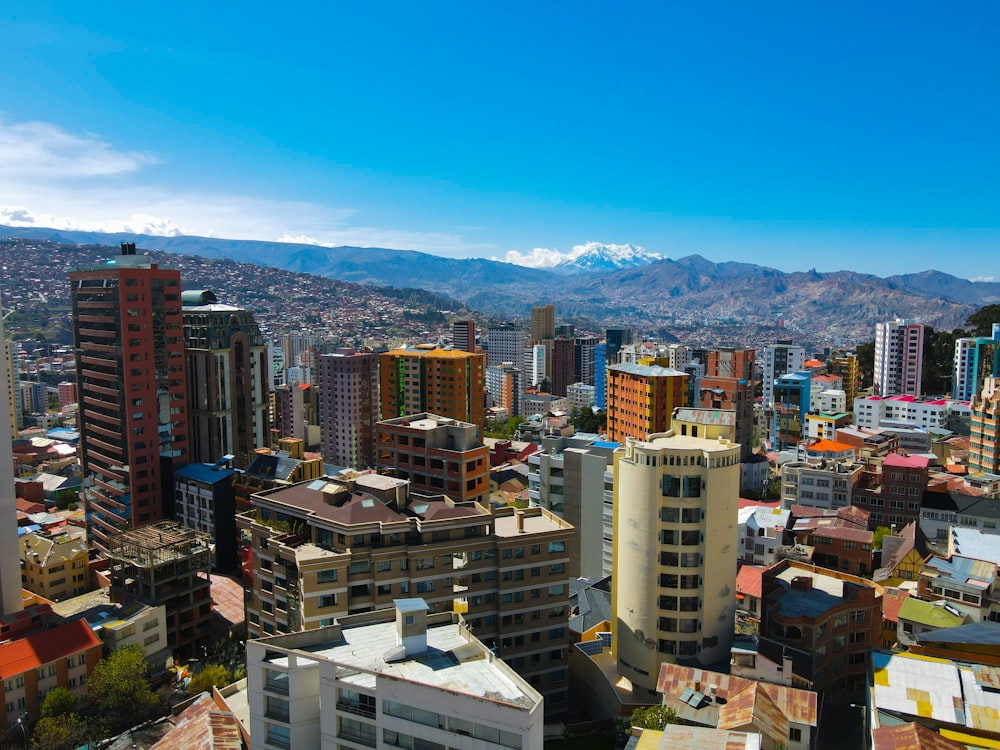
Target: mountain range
[[615, 284]]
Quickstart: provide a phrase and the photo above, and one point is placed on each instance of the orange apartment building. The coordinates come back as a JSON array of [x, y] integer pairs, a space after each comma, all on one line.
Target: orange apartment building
[[426, 379], [641, 399]]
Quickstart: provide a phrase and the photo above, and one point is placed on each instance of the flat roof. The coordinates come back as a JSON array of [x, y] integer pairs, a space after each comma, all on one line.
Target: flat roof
[[451, 662]]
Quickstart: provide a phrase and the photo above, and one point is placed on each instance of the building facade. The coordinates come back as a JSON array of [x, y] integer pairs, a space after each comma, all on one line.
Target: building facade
[[436, 454], [426, 379], [131, 380], [226, 380], [675, 548], [779, 359], [348, 407], [463, 335], [543, 324], [641, 399], [899, 356], [984, 440]]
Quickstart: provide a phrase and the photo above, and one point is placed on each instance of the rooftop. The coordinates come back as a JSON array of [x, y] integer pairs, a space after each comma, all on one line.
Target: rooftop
[[647, 371], [936, 615]]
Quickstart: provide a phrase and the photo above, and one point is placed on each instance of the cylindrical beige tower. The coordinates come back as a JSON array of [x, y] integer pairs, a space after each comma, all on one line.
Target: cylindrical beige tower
[[675, 532]]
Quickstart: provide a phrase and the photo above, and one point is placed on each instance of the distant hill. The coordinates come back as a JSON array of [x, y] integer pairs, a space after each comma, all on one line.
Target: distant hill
[[689, 293]]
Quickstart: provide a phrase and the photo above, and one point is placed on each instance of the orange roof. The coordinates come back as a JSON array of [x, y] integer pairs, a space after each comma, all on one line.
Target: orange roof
[[23, 654], [812, 363], [749, 580], [912, 737], [892, 602], [830, 446]]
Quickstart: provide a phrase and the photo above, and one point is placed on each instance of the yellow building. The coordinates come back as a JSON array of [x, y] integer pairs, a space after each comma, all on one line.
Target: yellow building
[[54, 565], [641, 399], [446, 382], [847, 367], [674, 553]]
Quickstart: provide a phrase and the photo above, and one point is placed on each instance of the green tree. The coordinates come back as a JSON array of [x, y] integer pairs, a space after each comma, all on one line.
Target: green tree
[[62, 732], [120, 685], [212, 674], [981, 322], [654, 717], [866, 363], [878, 535], [58, 702]]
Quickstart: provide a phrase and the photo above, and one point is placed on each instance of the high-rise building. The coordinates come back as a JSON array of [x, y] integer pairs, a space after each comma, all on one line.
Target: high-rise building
[[728, 383], [506, 344], [380, 680], [543, 323], [11, 384], [585, 359], [779, 359], [534, 365], [563, 365], [421, 379], [847, 367], [984, 439], [348, 407], [975, 360], [10, 568], [600, 375], [506, 387], [899, 356], [641, 400], [297, 348], [227, 373], [792, 393], [616, 338], [436, 454], [463, 335], [361, 542], [295, 411], [675, 546], [128, 332], [67, 394]]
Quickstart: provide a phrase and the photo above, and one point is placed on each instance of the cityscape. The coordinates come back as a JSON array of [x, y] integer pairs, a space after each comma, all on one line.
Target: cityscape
[[521, 377], [448, 528]]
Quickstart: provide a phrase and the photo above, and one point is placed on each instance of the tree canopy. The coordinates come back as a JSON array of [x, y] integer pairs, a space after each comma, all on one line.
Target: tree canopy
[[654, 717], [120, 684], [211, 675]]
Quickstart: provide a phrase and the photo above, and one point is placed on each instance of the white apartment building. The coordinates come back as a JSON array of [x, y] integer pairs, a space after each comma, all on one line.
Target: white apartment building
[[780, 359], [534, 365], [392, 678], [580, 396], [819, 484], [506, 344], [899, 355], [572, 477], [675, 549], [871, 411], [761, 533]]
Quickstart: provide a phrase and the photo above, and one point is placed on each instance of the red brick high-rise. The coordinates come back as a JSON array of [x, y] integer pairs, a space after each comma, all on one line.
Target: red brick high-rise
[[128, 332]]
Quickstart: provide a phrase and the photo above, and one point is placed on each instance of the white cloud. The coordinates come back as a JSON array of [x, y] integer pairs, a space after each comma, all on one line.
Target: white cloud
[[983, 278], [110, 192], [539, 257], [39, 151]]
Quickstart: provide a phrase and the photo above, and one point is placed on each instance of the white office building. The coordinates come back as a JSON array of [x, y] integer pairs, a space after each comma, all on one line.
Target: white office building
[[899, 356], [780, 359]]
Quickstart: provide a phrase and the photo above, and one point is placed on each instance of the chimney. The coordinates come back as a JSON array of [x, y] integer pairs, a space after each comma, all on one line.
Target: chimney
[[519, 515], [802, 583], [128, 248], [411, 625]]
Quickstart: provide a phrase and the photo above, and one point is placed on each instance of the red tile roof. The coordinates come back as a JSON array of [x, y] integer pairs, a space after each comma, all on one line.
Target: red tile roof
[[892, 602], [748, 580], [23, 654], [908, 462]]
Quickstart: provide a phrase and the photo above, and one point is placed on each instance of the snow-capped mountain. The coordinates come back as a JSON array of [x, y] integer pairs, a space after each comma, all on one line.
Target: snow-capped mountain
[[597, 256]]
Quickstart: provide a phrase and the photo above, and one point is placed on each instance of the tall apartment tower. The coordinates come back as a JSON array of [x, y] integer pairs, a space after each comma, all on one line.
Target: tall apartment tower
[[976, 358], [563, 365], [585, 359], [10, 564], [128, 332], [728, 383], [348, 407], [675, 541], [543, 323], [899, 356], [505, 384], [534, 364], [984, 438], [641, 399], [463, 335], [847, 367], [11, 384], [423, 379], [227, 371], [779, 359], [506, 344], [616, 338]]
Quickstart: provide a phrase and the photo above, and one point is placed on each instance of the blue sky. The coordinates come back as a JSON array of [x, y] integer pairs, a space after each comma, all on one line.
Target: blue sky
[[796, 135]]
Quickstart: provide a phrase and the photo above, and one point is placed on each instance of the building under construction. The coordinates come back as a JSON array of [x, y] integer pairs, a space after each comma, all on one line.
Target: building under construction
[[167, 564]]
